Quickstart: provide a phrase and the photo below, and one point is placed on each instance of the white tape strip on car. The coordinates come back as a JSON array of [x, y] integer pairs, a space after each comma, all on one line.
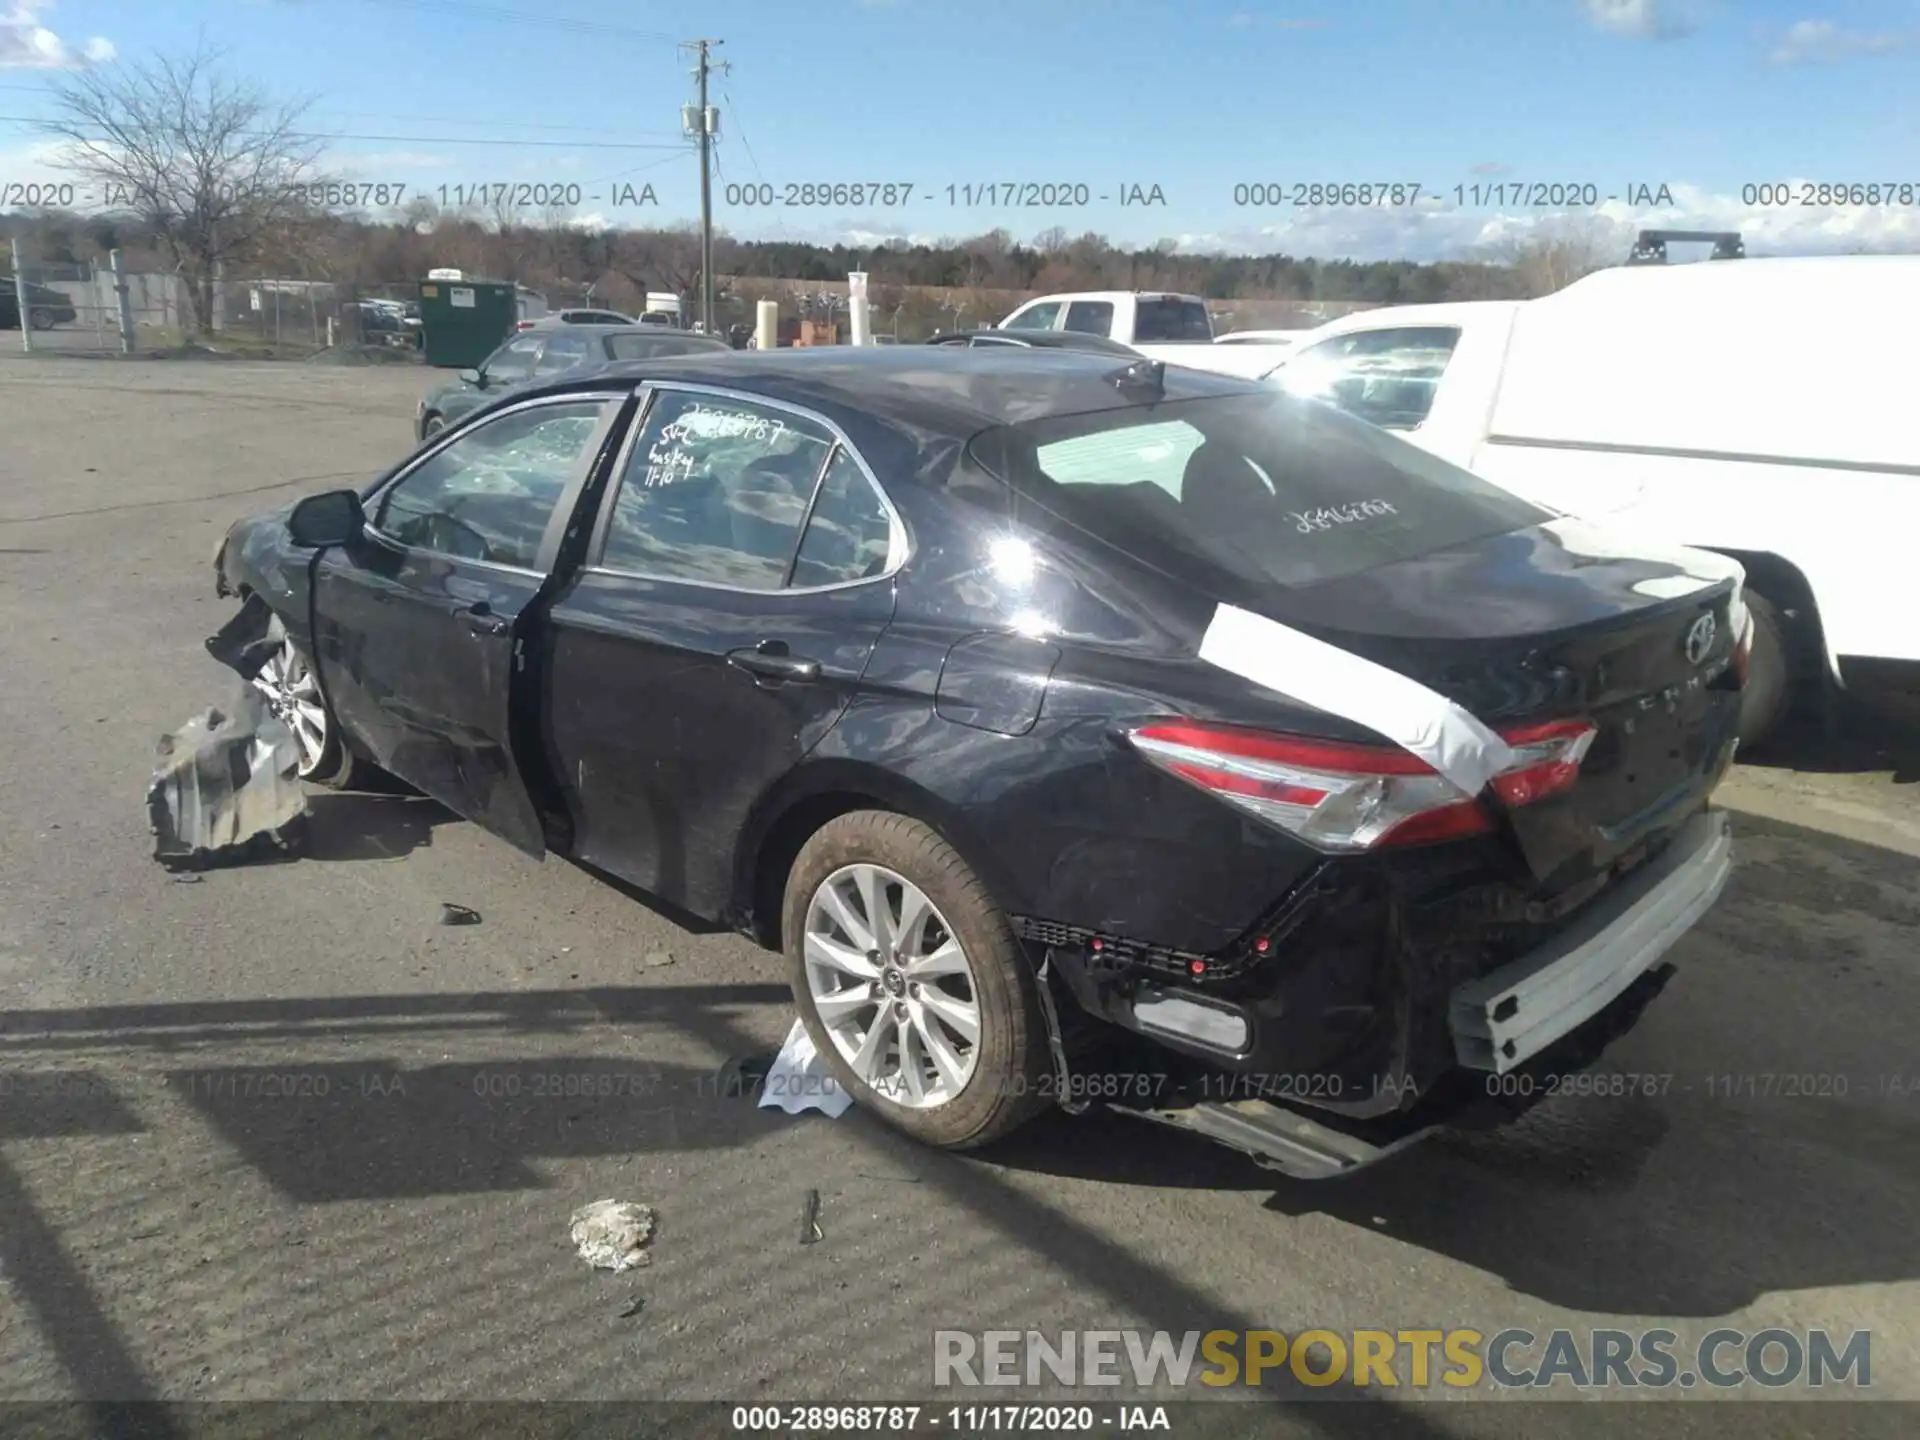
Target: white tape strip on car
[[1341, 683]]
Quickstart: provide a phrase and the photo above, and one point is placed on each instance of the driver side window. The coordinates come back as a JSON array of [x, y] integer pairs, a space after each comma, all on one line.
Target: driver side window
[[489, 495]]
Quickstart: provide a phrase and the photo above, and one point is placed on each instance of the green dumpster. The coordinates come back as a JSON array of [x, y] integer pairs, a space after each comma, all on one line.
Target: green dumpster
[[464, 321]]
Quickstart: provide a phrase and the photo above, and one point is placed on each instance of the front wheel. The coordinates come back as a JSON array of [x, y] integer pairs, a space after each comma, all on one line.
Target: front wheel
[[431, 427], [911, 984], [40, 319], [292, 691]]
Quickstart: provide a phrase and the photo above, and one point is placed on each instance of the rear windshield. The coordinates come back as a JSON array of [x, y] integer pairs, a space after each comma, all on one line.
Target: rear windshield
[[651, 347], [1272, 490], [1161, 321]]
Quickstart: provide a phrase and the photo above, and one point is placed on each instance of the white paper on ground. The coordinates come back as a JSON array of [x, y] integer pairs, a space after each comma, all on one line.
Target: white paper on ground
[[1417, 719], [799, 1079]]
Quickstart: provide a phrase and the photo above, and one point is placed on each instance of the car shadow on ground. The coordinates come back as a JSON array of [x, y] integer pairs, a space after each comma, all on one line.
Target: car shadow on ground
[[373, 1131], [369, 825], [1873, 736]]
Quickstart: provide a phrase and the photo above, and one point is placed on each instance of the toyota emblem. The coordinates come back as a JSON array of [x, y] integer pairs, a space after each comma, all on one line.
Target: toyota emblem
[[1700, 639]]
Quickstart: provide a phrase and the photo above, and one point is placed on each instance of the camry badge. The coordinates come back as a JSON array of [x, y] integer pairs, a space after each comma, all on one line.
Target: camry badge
[[1700, 639]]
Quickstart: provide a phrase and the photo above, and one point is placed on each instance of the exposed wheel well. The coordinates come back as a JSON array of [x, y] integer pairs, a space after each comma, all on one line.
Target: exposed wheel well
[[778, 850], [1782, 582]]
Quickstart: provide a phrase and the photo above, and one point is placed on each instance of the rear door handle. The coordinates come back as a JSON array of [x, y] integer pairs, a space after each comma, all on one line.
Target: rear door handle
[[770, 660], [480, 619]]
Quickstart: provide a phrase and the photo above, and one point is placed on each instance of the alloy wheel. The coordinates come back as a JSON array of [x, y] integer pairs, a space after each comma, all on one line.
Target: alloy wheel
[[892, 986], [293, 694]]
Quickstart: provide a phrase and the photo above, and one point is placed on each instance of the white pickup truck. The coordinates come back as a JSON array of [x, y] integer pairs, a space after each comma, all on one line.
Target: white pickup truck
[[1171, 328], [1759, 408]]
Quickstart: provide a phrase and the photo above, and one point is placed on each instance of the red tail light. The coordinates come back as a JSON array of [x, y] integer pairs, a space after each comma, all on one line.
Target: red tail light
[[1345, 797]]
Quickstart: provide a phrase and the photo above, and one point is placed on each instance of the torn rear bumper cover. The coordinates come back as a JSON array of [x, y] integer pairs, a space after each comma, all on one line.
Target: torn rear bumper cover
[[1504, 1018], [226, 786]]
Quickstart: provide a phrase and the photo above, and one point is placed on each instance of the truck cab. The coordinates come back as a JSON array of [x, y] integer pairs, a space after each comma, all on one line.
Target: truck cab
[[1132, 317]]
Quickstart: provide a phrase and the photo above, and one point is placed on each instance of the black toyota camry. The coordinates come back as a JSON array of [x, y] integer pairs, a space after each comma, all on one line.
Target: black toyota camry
[[1059, 717]]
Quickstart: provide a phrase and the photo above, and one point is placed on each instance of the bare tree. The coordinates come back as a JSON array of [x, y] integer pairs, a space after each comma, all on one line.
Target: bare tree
[[1558, 251], [209, 165]]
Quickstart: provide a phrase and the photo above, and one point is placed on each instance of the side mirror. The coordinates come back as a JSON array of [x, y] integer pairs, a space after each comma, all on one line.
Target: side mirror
[[474, 378], [330, 519]]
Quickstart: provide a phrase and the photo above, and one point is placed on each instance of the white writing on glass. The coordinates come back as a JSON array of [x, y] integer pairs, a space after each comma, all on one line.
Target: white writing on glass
[[1327, 516]]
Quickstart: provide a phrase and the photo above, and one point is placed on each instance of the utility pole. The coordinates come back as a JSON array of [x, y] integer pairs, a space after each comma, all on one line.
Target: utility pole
[[704, 118]]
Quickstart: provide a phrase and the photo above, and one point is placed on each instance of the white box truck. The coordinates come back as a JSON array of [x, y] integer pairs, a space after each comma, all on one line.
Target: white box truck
[[1758, 408]]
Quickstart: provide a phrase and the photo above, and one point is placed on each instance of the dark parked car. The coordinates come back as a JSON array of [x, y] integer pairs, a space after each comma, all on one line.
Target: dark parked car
[[1059, 721], [1035, 340], [545, 352], [46, 307]]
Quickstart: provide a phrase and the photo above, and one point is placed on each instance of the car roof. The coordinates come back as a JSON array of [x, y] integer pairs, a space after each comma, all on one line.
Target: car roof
[[1040, 339], [957, 390]]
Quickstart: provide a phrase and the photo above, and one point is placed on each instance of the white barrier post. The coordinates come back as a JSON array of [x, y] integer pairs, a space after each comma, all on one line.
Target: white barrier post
[[766, 330]]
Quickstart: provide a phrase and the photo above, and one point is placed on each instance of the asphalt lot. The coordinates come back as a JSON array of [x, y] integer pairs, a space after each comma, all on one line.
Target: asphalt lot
[[167, 1229]]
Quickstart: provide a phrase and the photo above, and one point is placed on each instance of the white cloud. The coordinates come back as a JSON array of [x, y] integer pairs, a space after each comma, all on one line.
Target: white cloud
[[26, 44], [1643, 19], [1435, 230], [1823, 42], [1440, 232]]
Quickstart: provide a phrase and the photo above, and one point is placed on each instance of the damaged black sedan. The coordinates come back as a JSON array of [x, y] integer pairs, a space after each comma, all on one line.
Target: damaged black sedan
[[1078, 730]]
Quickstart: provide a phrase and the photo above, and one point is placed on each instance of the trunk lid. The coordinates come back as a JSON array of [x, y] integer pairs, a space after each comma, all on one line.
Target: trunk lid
[[1533, 626]]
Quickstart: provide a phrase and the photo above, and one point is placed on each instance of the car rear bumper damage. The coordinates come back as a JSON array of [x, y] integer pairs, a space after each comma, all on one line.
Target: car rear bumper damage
[[1262, 1068], [1511, 1015]]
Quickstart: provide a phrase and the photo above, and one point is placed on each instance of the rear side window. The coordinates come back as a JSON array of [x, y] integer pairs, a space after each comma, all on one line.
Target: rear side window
[[1386, 377], [715, 491], [848, 536], [1162, 320], [1265, 488], [1090, 317]]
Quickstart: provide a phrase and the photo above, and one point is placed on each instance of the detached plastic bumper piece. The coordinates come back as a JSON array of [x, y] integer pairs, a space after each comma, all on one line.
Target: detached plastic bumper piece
[[226, 788]]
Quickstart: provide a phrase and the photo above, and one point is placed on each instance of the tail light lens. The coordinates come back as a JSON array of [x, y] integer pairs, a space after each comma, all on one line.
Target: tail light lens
[[1344, 797]]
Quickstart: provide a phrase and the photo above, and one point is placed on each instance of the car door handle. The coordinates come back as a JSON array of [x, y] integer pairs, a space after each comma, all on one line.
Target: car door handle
[[480, 619], [770, 660]]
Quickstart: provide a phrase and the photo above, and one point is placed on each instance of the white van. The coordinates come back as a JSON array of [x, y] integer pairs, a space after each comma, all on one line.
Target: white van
[[1759, 408]]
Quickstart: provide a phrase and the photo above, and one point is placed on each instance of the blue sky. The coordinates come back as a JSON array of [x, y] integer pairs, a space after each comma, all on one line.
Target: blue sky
[[1192, 96]]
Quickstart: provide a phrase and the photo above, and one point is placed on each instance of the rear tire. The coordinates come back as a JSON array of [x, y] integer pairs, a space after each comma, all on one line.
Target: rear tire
[[1763, 703], [40, 319], [1005, 1068]]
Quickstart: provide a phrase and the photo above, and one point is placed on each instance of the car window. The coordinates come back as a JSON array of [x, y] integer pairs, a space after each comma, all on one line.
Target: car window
[[1386, 377], [1090, 317], [641, 346], [1036, 317], [848, 535], [1271, 490], [489, 495], [513, 361], [563, 352], [1169, 318], [715, 490]]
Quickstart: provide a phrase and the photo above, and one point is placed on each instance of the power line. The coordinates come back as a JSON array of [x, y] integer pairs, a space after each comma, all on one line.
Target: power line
[[425, 119], [499, 141], [522, 17], [745, 144]]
